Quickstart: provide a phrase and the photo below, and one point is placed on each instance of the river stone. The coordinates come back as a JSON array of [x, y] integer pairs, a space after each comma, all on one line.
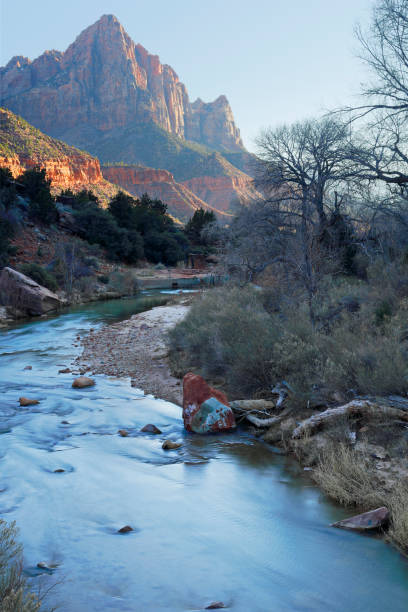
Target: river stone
[[64, 371], [28, 368], [123, 433], [211, 417], [149, 428], [170, 445], [125, 529], [374, 519], [24, 294], [83, 381], [215, 605], [25, 401]]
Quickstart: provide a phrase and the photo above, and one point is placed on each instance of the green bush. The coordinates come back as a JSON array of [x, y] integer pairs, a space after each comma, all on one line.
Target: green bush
[[40, 275], [37, 187], [243, 337]]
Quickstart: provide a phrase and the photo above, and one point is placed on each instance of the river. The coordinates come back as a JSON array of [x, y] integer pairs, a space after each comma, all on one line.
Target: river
[[224, 518]]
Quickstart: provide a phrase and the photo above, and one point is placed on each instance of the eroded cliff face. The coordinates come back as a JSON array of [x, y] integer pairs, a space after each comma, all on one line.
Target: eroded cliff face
[[105, 81], [181, 201], [223, 192], [65, 173]]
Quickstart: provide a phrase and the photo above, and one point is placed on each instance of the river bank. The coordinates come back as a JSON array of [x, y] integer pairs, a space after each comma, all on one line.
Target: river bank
[[200, 514], [137, 348], [353, 456]]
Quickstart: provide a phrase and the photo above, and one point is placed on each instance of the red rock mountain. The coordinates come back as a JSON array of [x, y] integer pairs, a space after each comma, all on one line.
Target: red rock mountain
[[109, 96], [104, 80]]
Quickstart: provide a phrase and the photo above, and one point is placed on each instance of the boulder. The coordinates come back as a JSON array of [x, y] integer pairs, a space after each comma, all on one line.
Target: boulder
[[25, 401], [83, 381], [205, 409], [149, 428], [374, 519], [123, 433], [24, 294], [215, 605]]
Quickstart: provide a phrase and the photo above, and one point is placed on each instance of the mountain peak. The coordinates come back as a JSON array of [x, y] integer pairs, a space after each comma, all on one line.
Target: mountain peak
[[104, 82]]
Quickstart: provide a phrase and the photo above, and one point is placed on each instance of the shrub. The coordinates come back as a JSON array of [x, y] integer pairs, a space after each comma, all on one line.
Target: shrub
[[40, 275], [6, 233], [37, 187], [252, 342], [14, 595]]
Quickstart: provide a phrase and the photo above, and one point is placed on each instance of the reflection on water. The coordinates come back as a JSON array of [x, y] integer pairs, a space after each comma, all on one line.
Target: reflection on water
[[222, 518]]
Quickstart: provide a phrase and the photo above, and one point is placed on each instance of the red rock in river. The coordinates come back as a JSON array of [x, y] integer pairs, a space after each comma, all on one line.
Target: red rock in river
[[374, 519], [205, 409]]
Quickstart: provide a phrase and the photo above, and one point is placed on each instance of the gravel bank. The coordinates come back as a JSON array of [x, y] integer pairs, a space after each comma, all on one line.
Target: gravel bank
[[136, 348]]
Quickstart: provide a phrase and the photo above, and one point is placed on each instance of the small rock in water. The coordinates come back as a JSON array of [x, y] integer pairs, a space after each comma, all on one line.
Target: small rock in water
[[64, 422], [42, 565], [59, 471], [125, 529], [83, 381], [170, 445], [25, 401], [151, 429], [28, 368], [215, 605], [64, 371], [123, 433]]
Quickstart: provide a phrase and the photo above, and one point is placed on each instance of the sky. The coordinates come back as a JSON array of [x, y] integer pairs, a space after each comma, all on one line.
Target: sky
[[276, 61]]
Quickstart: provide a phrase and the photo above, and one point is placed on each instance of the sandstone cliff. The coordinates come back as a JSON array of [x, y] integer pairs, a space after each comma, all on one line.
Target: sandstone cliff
[[105, 81], [223, 192], [22, 147], [181, 201]]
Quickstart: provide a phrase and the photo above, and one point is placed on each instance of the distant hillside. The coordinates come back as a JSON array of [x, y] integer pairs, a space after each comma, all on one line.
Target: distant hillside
[[137, 180]]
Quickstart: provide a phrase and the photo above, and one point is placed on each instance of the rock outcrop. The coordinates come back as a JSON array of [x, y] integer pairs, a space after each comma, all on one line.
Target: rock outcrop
[[181, 201], [23, 294], [103, 81], [223, 192], [205, 409], [23, 146]]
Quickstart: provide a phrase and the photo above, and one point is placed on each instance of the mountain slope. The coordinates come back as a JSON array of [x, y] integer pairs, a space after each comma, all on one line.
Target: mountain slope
[[23, 146]]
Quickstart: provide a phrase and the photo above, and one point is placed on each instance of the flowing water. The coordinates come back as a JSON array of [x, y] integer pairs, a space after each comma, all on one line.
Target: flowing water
[[222, 518]]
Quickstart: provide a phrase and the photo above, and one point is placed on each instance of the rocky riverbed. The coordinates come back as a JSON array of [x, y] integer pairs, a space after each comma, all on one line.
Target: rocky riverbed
[[137, 348]]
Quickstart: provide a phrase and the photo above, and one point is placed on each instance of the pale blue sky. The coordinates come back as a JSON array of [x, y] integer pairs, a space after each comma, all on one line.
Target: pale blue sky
[[276, 61]]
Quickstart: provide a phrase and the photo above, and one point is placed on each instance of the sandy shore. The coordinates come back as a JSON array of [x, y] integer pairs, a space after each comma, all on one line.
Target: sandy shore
[[137, 348]]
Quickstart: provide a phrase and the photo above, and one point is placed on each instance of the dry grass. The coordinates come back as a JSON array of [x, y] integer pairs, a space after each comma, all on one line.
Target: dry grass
[[347, 477], [398, 505]]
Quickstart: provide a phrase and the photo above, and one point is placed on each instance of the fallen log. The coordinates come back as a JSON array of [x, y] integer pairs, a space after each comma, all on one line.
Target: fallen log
[[354, 408], [262, 422], [252, 405]]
